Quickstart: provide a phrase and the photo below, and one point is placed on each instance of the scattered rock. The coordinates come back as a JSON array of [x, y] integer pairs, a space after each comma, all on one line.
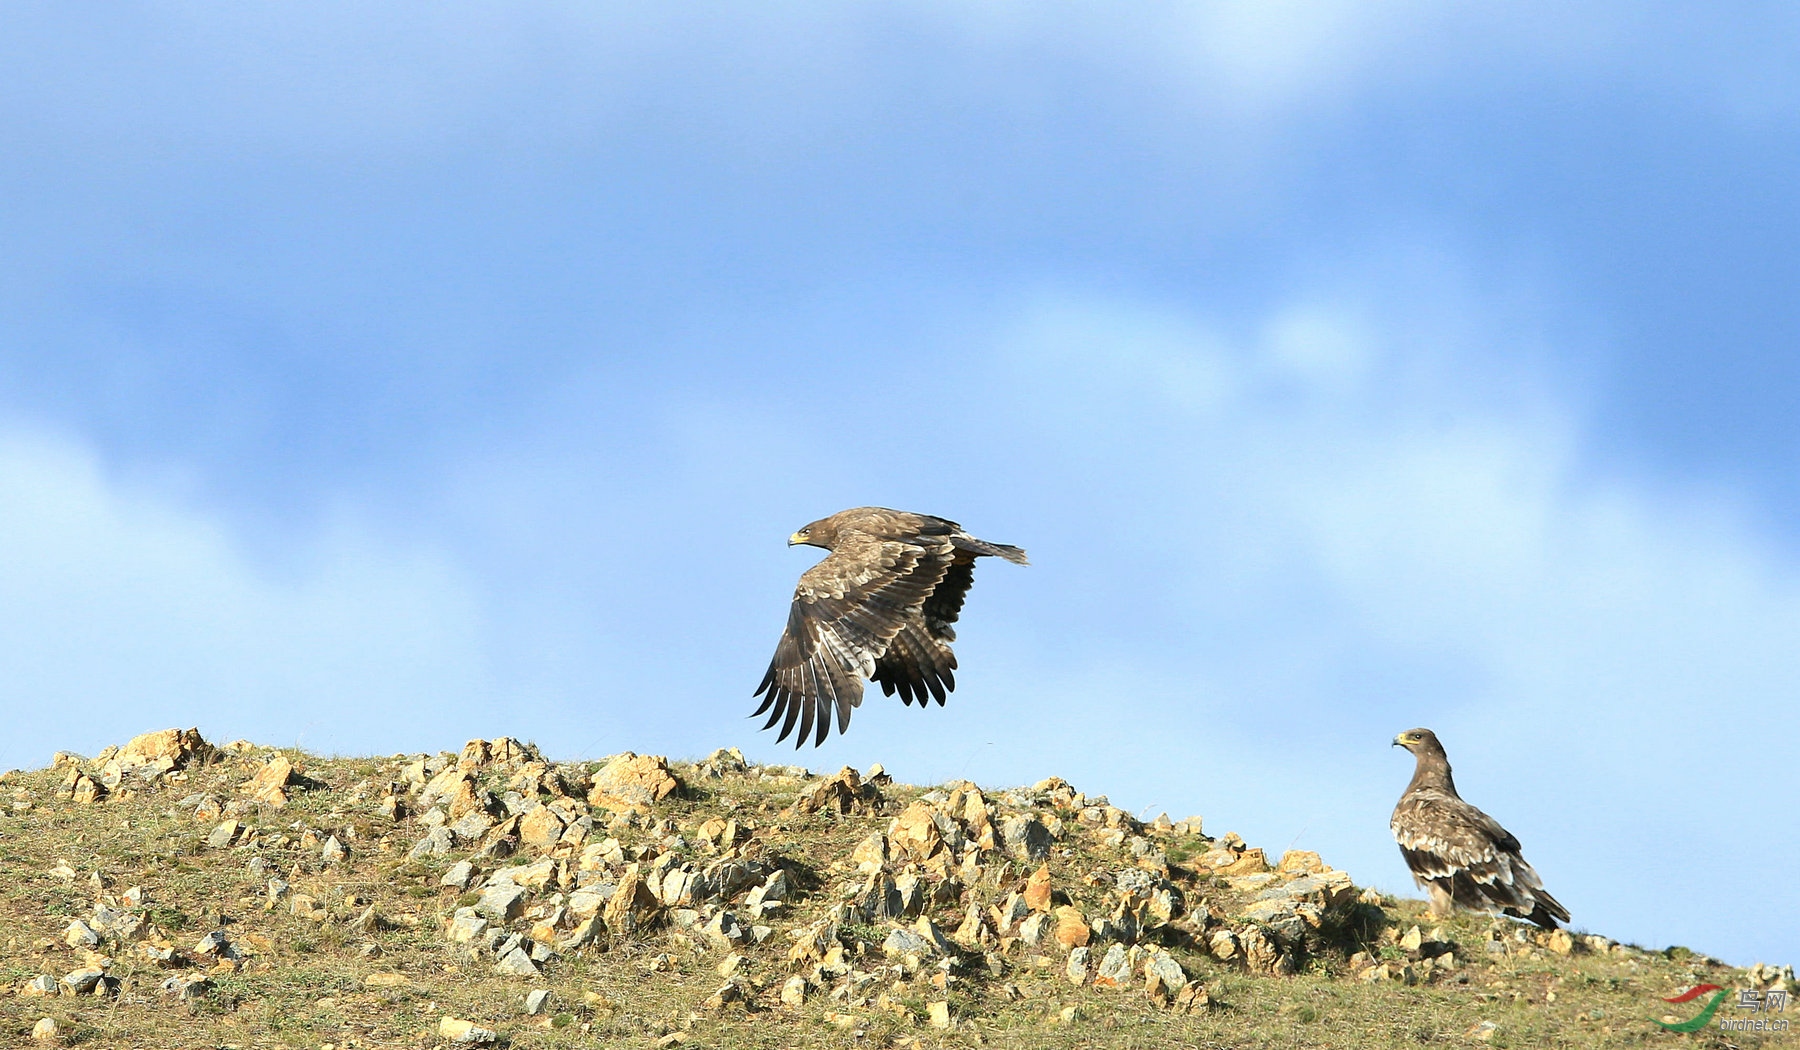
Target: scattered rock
[[437, 842], [729, 992], [723, 762], [915, 833], [1025, 837], [84, 981], [184, 986], [501, 902], [1115, 968], [517, 963], [42, 984], [845, 793], [458, 1030], [269, 785], [870, 854], [1301, 861], [794, 989], [1037, 890], [1077, 966], [1072, 930], [465, 926], [634, 782], [224, 835], [902, 942], [46, 1031]]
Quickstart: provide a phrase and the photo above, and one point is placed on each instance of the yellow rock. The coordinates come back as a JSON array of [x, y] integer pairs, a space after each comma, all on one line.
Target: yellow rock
[[1249, 862], [633, 781], [540, 827], [269, 785], [1037, 889], [1301, 862], [915, 832], [1072, 930]]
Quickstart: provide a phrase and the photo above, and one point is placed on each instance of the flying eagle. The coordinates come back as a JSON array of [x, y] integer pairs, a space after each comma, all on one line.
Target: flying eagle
[[1459, 855], [879, 606]]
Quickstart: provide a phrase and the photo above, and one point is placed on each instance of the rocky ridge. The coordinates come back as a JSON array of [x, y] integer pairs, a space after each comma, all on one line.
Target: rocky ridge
[[841, 897]]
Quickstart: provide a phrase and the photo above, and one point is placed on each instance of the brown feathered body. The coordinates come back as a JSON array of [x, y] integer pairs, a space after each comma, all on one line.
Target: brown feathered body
[[1459, 855], [879, 606]]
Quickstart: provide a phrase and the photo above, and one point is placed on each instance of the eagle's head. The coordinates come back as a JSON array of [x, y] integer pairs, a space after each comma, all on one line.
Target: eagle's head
[[1419, 742], [821, 533]]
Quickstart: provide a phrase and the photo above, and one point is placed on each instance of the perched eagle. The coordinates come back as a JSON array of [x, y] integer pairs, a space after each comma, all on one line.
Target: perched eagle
[[1461, 856], [879, 606]]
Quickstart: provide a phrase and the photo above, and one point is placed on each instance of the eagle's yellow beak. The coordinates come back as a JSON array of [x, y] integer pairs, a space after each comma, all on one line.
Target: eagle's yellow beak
[[795, 539], [1400, 741]]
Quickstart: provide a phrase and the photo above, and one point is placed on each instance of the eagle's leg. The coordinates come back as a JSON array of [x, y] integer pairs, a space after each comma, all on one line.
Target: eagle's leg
[[1442, 904]]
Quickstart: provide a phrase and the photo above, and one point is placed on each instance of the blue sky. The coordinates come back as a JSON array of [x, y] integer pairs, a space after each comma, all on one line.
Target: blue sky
[[377, 376]]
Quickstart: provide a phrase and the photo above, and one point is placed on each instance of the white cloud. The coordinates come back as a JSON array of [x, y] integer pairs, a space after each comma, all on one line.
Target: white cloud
[[123, 610]]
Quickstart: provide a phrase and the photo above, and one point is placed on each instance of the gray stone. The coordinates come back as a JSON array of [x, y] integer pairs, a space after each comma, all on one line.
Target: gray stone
[[1116, 966], [909, 894], [185, 986], [223, 835], [724, 930], [1134, 880], [42, 984], [81, 935], [472, 826], [1076, 969], [437, 842], [535, 1001], [589, 900], [80, 982], [901, 941], [459, 875], [1164, 968], [1036, 929], [517, 963], [1025, 837], [466, 926], [333, 852], [933, 936], [778, 887], [500, 902]]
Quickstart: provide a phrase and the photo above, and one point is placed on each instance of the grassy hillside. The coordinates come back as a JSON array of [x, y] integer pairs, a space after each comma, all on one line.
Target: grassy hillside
[[173, 894]]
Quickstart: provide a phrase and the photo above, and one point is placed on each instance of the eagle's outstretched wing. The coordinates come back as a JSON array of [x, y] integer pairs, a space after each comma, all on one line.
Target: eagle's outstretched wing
[[847, 612]]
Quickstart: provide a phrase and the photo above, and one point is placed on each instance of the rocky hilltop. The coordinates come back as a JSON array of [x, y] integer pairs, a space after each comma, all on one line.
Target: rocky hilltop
[[173, 893]]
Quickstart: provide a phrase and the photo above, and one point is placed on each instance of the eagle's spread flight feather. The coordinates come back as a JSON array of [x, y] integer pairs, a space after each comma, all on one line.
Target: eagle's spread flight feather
[[879, 606], [1459, 855]]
